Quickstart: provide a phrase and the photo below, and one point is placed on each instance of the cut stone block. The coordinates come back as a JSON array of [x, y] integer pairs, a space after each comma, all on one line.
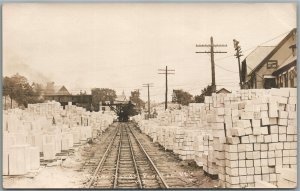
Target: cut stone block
[[49, 151], [273, 109], [283, 122], [34, 158], [268, 138], [257, 170], [256, 163], [282, 137], [256, 130], [282, 92], [250, 171], [5, 161], [237, 132], [67, 141], [264, 130], [264, 184], [18, 160], [76, 136], [256, 123], [264, 107], [283, 114], [233, 140], [245, 139], [265, 121], [292, 115], [231, 148], [58, 142], [244, 123]]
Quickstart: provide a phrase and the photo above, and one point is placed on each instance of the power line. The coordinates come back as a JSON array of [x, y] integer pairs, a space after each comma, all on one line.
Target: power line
[[226, 69], [222, 58]]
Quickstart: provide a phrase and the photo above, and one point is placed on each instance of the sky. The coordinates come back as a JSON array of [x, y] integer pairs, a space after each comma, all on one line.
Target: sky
[[122, 45]]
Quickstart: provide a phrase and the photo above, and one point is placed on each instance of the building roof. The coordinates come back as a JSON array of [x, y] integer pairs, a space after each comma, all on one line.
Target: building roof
[[279, 45], [223, 90], [62, 91], [288, 63], [257, 56]]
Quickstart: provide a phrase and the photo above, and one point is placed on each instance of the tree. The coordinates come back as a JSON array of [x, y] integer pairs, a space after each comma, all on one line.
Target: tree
[[135, 98], [205, 92], [18, 88], [102, 95], [126, 111], [39, 91], [181, 97], [49, 88]]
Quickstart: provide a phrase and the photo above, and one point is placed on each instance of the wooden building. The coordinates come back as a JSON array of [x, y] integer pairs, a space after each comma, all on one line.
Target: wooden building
[[223, 90], [63, 97], [271, 66]]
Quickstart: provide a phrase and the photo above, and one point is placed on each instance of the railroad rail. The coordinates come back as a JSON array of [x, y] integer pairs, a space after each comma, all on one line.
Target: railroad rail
[[126, 164]]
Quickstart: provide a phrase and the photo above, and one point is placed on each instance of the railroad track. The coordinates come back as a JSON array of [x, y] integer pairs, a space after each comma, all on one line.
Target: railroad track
[[126, 164]]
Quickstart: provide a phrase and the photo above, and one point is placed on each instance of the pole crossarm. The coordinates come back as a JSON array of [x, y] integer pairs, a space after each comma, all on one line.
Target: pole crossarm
[[209, 45]]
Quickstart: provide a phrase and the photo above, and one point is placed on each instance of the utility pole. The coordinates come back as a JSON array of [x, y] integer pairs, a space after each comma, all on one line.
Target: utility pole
[[166, 72], [148, 86], [238, 54], [5, 102], [10, 98], [212, 52]]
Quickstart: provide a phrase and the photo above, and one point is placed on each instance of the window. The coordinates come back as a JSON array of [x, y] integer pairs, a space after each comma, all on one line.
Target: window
[[269, 83], [272, 64]]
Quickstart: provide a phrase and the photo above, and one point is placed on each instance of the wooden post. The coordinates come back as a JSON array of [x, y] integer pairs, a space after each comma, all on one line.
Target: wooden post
[[212, 52]]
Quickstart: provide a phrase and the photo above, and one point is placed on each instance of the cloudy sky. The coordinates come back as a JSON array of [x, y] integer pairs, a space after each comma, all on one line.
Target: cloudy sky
[[121, 46]]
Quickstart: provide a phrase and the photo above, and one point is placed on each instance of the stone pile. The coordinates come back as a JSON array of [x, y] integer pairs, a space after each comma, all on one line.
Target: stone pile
[[44, 130], [241, 137]]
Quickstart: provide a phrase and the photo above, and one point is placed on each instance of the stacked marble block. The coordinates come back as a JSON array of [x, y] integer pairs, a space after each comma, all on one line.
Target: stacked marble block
[[32, 131], [18, 156], [242, 136], [208, 157], [263, 139], [215, 127], [189, 137]]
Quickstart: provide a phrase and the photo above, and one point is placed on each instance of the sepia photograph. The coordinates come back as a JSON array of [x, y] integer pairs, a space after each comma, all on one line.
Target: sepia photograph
[[149, 95]]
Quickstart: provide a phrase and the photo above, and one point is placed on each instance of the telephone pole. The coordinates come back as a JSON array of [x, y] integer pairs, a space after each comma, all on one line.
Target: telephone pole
[[238, 54], [166, 72], [212, 52], [148, 86], [10, 98]]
